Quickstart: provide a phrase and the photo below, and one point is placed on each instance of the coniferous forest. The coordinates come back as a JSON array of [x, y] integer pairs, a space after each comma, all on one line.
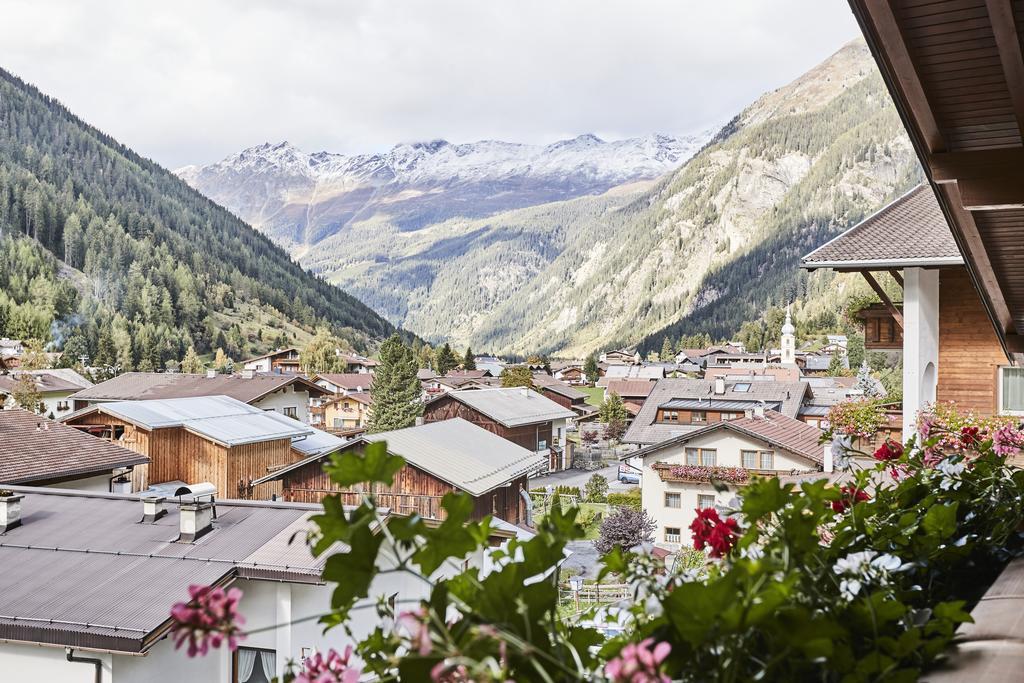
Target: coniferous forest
[[107, 251]]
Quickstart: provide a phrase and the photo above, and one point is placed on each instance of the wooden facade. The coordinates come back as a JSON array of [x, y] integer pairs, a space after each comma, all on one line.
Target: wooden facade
[[528, 436], [881, 330], [704, 417], [413, 491], [179, 455], [969, 351]]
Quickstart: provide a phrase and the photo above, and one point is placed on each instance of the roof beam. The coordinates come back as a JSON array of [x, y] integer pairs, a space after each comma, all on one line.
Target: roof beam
[[894, 48], [886, 301], [1004, 26], [896, 276], [989, 179]]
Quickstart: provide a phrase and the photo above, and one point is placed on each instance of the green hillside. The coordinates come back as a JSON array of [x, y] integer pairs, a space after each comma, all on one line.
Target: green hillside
[[109, 247]]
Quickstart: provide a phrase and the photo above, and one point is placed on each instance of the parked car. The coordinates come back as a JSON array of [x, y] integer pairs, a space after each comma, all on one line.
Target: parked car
[[629, 474]]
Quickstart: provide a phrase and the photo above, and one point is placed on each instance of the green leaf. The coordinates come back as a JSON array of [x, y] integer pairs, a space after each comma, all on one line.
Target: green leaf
[[940, 520], [455, 537], [374, 465]]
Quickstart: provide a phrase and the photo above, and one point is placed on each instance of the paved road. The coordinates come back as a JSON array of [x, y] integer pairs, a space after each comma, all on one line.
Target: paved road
[[580, 477]]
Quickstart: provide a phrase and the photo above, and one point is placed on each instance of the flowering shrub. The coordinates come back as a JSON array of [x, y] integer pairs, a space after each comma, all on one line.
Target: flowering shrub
[[329, 668], [856, 419], [788, 590], [208, 619], [730, 475], [951, 428]]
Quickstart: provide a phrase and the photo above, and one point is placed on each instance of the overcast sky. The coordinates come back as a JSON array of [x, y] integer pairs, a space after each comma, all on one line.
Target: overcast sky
[[191, 81]]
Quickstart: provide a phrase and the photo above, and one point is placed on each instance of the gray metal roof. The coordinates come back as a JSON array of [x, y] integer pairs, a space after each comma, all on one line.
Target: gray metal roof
[[644, 430], [716, 404], [81, 571], [456, 451], [462, 454], [318, 443], [512, 407], [219, 418]]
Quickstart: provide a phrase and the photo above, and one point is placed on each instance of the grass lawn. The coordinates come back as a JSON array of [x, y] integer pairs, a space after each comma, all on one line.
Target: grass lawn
[[595, 395], [588, 515]]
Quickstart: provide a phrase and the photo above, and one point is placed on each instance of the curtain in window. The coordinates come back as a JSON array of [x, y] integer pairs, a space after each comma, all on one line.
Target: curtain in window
[[767, 460], [692, 458], [246, 663], [749, 459], [710, 457], [1013, 389], [269, 661]]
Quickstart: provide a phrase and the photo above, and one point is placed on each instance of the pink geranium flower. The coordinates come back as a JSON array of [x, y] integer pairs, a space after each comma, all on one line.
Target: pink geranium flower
[[329, 668], [639, 663], [207, 620], [414, 625]]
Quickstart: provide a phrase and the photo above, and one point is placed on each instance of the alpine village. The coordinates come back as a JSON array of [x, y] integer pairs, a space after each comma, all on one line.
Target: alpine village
[[738, 405]]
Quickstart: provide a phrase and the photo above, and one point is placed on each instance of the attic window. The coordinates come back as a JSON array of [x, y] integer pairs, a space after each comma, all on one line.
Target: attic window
[[741, 387]]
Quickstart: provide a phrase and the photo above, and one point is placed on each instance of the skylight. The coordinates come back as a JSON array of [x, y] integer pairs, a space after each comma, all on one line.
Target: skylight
[[741, 387]]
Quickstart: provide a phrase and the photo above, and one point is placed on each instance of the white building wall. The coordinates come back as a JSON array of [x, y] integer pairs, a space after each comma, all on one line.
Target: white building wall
[[287, 398], [920, 342], [38, 663], [728, 446], [100, 484]]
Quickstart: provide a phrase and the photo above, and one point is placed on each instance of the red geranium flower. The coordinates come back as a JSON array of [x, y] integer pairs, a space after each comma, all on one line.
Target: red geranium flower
[[969, 436], [851, 495], [711, 531], [889, 450]]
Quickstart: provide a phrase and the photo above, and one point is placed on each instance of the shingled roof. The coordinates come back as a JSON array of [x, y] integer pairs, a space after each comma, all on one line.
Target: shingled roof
[[788, 396], [34, 449], [911, 231], [773, 428], [140, 386]]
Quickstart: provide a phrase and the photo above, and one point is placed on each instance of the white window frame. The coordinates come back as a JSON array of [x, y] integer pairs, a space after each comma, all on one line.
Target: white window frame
[[678, 498], [703, 498], [999, 390], [674, 538]]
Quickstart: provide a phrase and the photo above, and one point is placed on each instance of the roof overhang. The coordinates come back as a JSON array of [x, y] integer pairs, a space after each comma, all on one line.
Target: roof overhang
[[883, 264], [958, 86]]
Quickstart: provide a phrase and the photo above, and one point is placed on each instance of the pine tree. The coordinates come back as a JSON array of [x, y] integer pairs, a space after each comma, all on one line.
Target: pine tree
[[612, 410], [426, 359], [221, 362], [191, 363], [395, 392], [445, 360], [666, 350], [590, 369], [75, 347], [517, 376], [468, 361], [835, 366], [26, 392]]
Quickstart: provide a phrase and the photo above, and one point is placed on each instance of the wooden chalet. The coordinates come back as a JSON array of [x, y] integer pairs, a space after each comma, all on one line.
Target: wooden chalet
[[517, 414], [279, 361], [213, 439], [950, 350], [441, 457], [955, 70]]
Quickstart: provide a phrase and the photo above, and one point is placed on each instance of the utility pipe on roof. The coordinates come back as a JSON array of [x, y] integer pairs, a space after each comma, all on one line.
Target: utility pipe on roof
[[95, 661]]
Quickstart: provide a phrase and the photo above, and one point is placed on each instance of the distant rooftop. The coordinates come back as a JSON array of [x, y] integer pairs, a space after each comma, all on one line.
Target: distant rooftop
[[512, 407], [221, 419], [911, 231], [139, 386]]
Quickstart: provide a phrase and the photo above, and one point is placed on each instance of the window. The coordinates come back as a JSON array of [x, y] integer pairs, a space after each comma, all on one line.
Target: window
[[698, 417], [673, 500], [672, 534], [705, 501], [749, 459], [767, 460], [731, 416], [670, 416], [62, 405], [542, 444], [291, 412], [708, 457], [1011, 391], [339, 423], [253, 665], [741, 387]]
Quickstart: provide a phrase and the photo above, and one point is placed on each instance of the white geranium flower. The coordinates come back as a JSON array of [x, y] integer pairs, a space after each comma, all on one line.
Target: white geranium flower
[[950, 473], [864, 568], [886, 563], [849, 588], [752, 552]]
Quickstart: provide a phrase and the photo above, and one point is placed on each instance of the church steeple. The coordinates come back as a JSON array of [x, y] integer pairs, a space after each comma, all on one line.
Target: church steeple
[[788, 340]]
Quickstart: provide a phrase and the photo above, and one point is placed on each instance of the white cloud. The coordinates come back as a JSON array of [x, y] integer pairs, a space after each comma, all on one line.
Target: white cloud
[[192, 80]]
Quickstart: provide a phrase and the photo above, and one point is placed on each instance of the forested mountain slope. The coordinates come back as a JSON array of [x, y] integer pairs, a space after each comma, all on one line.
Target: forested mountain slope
[[156, 266], [714, 243]]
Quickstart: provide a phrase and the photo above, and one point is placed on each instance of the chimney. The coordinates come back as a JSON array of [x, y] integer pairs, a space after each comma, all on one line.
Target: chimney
[[719, 385], [526, 392], [759, 410], [248, 374], [122, 483], [196, 519], [827, 462], [419, 421], [211, 374], [10, 510], [153, 509]]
